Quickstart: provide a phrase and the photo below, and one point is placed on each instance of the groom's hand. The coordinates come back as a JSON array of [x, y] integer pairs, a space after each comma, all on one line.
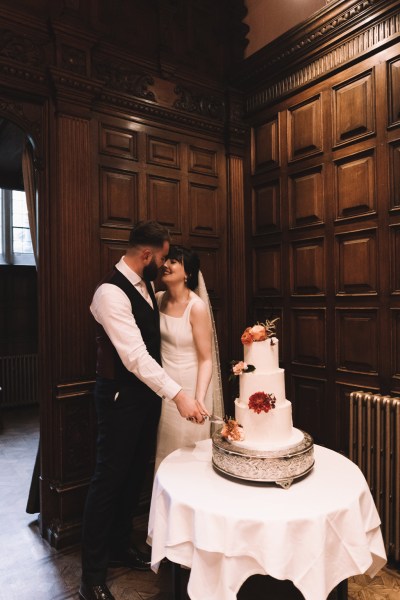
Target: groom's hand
[[188, 407]]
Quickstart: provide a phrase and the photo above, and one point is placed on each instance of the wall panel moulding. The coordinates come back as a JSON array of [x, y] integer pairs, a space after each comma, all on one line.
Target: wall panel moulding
[[338, 35]]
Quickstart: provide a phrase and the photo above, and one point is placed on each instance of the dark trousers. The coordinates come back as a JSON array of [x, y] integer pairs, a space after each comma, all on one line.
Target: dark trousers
[[127, 429]]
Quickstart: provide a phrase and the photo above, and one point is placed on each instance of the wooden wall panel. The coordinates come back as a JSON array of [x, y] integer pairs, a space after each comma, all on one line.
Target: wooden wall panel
[[308, 267], [121, 143], [395, 343], [118, 197], [163, 152], [165, 203], [355, 185], [357, 249], [309, 407], [394, 170], [309, 339], [266, 145], [334, 113], [354, 109], [393, 87], [306, 198], [357, 340], [73, 220], [267, 271], [266, 208], [305, 129], [203, 209], [203, 161], [395, 259]]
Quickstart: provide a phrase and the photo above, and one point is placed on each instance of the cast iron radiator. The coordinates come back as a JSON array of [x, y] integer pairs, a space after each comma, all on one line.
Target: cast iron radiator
[[374, 445], [19, 380]]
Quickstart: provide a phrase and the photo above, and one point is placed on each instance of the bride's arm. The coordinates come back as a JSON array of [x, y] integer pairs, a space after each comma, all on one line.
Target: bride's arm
[[202, 335]]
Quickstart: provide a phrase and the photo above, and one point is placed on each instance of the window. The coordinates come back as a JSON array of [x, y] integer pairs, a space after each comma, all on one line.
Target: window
[[15, 238]]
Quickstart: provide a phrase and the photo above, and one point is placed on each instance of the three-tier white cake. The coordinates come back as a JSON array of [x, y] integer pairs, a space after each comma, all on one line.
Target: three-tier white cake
[[262, 408], [261, 444]]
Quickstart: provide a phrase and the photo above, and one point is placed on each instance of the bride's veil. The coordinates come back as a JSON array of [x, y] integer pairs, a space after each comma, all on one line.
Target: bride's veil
[[216, 381]]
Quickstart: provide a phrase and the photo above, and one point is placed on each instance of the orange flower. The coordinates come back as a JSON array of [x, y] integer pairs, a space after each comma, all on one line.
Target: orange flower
[[232, 431], [247, 337], [258, 333]]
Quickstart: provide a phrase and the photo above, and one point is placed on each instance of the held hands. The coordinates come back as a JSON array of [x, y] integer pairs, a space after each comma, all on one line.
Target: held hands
[[190, 408]]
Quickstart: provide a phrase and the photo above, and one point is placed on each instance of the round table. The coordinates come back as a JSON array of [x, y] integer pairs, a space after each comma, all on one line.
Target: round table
[[322, 530]]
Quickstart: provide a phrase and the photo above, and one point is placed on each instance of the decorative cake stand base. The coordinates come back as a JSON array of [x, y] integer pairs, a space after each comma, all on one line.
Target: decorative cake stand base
[[275, 466]]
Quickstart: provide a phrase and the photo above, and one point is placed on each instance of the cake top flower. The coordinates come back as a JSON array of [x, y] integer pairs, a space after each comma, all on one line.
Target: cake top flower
[[262, 402], [259, 332]]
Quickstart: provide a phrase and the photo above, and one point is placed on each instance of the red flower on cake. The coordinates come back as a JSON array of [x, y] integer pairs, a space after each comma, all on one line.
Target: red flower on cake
[[261, 402]]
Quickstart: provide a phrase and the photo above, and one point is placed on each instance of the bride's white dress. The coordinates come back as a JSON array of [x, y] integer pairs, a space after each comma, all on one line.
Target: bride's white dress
[[179, 359]]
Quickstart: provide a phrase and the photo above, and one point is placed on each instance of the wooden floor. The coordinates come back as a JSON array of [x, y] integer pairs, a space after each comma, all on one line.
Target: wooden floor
[[31, 569]]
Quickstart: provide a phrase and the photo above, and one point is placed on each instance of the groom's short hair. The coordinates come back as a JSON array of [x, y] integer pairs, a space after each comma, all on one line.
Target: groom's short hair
[[148, 233]]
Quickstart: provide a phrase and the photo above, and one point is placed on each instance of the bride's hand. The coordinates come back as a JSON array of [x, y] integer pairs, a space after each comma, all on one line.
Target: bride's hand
[[188, 407], [203, 409]]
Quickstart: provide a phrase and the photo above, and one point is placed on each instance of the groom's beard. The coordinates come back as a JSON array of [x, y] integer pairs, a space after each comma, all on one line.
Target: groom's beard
[[150, 271]]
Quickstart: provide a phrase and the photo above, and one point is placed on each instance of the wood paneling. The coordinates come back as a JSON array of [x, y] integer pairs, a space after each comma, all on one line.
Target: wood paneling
[[357, 340], [308, 267], [393, 87], [117, 142], [267, 270], [331, 267], [266, 208], [309, 340], [309, 406], [118, 197], [129, 121], [355, 185], [305, 129], [266, 145], [354, 109], [357, 249], [306, 198]]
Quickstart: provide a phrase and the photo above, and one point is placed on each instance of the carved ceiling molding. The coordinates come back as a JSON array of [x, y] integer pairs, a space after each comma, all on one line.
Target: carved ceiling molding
[[21, 48], [154, 111], [207, 106], [79, 90], [124, 79], [345, 52]]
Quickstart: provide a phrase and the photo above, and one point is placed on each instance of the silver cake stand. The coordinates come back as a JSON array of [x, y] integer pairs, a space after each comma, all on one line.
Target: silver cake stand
[[279, 466]]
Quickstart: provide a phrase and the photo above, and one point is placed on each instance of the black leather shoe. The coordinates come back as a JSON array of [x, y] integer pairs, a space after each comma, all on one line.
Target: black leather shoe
[[95, 592], [132, 558]]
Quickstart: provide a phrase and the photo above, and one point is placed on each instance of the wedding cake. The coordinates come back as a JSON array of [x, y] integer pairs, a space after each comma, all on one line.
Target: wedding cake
[[262, 408], [260, 443]]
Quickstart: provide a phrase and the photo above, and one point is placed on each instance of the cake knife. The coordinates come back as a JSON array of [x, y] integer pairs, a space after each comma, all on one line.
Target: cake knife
[[214, 419]]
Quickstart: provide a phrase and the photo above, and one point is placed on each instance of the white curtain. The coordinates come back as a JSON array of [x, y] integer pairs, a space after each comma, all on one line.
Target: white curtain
[[28, 173]]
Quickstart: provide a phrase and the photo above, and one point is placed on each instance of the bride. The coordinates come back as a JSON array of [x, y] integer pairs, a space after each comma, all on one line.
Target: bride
[[189, 350]]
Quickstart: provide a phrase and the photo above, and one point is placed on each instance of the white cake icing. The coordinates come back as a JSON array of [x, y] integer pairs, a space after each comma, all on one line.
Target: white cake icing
[[272, 430]]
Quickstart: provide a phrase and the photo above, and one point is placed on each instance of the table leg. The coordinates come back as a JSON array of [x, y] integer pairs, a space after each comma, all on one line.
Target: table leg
[[176, 581]]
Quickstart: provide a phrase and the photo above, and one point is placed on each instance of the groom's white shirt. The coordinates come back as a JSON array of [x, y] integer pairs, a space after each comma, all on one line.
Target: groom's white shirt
[[112, 309]]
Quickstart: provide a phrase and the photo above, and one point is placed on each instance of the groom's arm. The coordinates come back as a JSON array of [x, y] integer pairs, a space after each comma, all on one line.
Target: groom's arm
[[112, 309]]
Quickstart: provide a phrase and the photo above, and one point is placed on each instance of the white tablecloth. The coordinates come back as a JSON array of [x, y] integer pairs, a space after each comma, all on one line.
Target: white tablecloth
[[322, 530]]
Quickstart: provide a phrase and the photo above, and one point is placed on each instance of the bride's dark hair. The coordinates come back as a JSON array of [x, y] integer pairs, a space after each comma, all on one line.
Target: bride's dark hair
[[190, 261]]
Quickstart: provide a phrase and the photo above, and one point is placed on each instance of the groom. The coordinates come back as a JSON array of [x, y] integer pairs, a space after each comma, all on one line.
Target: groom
[[130, 386]]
